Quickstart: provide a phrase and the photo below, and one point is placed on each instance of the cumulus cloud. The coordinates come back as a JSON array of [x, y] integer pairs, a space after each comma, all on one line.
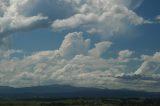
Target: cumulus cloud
[[70, 64], [26, 15], [74, 44], [158, 18], [100, 48], [151, 65], [100, 16], [12, 19], [14, 23], [147, 74], [125, 55], [83, 67], [75, 62]]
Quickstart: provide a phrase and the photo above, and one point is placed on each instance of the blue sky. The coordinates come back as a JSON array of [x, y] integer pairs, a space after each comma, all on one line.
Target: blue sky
[[141, 40], [102, 44]]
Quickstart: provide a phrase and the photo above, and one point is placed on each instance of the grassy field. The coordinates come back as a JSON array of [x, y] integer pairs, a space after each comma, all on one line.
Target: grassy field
[[82, 102]]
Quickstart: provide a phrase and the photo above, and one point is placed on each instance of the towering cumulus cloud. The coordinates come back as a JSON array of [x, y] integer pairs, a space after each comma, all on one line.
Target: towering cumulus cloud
[[75, 63], [78, 61]]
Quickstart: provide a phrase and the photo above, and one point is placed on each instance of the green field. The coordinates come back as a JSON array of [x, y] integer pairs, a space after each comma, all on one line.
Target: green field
[[82, 102]]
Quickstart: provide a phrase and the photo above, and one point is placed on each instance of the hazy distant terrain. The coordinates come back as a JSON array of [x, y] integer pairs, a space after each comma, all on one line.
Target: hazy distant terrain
[[65, 91]]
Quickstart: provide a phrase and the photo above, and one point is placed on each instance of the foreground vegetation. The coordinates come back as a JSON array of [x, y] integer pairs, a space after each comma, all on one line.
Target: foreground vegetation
[[82, 102]]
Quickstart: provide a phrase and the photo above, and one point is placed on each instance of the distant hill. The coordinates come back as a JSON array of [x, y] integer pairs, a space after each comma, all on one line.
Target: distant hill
[[64, 91]]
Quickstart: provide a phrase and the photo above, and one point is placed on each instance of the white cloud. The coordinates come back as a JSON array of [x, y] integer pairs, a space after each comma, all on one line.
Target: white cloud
[[101, 16], [74, 44], [17, 13], [8, 53], [13, 18], [100, 48], [125, 55], [150, 66], [81, 67], [26, 15], [67, 65], [74, 63], [75, 21], [135, 3], [18, 22], [158, 17]]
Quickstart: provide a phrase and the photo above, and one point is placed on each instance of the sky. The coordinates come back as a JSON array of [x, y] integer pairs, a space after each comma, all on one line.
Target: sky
[[106, 44]]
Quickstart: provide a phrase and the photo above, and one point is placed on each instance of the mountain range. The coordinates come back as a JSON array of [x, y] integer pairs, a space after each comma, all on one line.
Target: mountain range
[[65, 91]]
